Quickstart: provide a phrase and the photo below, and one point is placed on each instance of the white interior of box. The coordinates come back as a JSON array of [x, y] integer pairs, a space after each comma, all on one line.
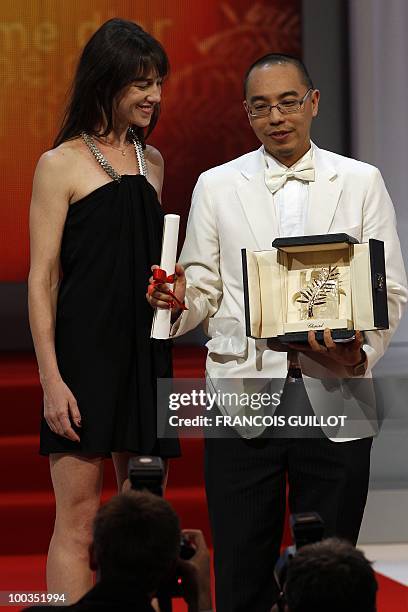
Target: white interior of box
[[264, 294], [361, 288], [276, 277]]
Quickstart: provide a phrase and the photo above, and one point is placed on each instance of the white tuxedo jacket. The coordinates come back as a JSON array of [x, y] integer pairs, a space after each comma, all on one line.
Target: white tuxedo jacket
[[233, 209]]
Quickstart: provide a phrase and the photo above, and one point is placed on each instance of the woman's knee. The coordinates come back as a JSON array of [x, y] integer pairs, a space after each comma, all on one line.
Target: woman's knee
[[75, 521], [79, 510]]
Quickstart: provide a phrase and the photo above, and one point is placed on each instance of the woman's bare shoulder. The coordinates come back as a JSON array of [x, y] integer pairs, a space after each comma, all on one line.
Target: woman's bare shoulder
[[57, 169], [63, 156], [154, 156]]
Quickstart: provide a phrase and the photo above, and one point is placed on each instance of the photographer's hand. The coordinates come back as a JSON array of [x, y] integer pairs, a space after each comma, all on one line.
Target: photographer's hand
[[197, 573]]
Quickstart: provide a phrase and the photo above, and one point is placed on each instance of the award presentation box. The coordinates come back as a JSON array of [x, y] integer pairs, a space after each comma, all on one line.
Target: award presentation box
[[315, 282]]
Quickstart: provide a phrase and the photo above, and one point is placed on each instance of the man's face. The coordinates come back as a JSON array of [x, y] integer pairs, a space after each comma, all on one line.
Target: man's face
[[286, 137]]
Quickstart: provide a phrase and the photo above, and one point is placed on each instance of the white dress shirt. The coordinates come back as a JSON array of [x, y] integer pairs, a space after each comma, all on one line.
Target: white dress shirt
[[291, 201]]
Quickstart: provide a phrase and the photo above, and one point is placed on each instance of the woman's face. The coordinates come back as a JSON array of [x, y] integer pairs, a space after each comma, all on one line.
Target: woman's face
[[135, 103]]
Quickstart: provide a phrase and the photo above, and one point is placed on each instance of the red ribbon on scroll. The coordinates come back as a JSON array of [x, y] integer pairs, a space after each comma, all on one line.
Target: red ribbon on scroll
[[159, 278]]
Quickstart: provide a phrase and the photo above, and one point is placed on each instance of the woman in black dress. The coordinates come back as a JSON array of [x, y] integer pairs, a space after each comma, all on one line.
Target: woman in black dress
[[96, 225]]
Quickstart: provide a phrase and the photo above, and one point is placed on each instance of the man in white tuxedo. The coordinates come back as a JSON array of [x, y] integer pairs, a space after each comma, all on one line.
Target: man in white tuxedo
[[288, 187]]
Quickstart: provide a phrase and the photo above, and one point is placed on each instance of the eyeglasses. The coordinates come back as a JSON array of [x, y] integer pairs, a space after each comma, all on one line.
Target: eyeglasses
[[260, 109]]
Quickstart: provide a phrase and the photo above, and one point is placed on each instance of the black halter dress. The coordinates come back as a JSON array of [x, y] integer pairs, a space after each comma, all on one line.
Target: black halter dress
[[102, 337]]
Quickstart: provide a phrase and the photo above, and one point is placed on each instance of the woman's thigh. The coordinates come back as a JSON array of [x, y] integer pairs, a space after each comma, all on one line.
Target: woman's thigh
[[77, 482]]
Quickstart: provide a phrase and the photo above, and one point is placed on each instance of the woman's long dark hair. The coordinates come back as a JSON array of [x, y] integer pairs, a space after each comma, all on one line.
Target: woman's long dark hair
[[117, 54]]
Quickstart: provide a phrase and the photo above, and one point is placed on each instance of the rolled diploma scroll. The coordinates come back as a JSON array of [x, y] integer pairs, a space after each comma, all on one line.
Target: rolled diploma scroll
[[162, 318]]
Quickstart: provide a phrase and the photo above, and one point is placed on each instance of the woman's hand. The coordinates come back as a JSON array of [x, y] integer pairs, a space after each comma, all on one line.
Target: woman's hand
[[160, 297], [59, 406]]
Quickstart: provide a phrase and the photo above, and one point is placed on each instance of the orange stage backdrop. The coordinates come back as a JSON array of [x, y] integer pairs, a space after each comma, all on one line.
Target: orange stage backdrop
[[210, 45]]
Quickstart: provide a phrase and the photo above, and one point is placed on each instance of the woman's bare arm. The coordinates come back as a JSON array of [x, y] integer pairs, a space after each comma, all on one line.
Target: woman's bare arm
[[48, 210], [155, 166]]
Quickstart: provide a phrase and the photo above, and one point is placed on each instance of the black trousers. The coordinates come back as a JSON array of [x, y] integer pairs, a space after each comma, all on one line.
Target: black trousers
[[246, 492]]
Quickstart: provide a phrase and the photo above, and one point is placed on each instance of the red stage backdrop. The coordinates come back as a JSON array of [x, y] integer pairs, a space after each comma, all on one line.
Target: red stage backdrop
[[203, 123]]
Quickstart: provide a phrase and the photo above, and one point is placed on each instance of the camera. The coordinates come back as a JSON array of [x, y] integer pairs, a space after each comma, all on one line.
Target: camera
[[306, 528], [148, 473]]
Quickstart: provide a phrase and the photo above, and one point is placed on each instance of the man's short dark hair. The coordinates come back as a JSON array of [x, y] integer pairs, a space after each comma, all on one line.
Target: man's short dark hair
[[136, 536], [330, 575], [279, 58]]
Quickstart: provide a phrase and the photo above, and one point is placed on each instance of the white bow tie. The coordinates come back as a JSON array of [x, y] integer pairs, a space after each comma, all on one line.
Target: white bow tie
[[275, 179]]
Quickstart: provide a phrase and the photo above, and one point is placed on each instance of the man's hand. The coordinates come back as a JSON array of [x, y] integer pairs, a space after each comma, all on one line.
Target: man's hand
[[160, 297], [347, 354], [196, 573]]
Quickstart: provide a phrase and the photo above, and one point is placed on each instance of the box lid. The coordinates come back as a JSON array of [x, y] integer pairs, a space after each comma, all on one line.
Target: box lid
[[292, 241]]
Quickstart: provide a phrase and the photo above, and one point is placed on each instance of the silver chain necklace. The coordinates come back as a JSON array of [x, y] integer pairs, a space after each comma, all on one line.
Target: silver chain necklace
[[103, 162]]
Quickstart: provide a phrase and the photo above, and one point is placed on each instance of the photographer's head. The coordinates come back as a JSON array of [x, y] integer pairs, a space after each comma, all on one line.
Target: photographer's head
[[136, 537], [330, 576]]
